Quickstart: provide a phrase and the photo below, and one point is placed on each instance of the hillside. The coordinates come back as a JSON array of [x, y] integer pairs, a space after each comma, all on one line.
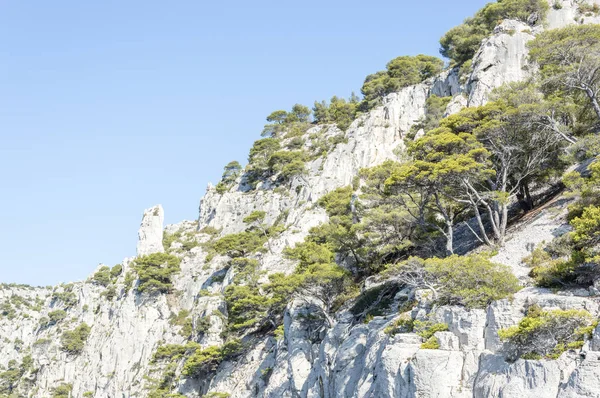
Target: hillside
[[224, 306]]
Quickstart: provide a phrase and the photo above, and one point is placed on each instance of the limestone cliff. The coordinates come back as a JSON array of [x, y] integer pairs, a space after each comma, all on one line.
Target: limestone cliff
[[317, 356]]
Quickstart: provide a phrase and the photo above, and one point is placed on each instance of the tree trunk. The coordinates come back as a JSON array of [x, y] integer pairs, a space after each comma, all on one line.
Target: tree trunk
[[593, 99], [449, 238], [503, 223], [528, 197], [524, 197], [481, 226]]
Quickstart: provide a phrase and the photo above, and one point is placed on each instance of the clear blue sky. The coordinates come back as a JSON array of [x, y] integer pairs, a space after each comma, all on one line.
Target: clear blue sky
[[110, 107]]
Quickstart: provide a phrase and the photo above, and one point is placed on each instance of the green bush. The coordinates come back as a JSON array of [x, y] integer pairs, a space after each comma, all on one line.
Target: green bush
[[7, 310], [102, 277], [240, 244], [155, 272], [473, 281], [282, 123], [404, 324], [73, 341], [110, 293], [550, 272], [432, 343], [66, 297], [401, 72], [586, 228], [337, 202], [548, 333], [207, 360], [295, 143], [128, 282], [246, 306], [174, 351], [231, 172], [184, 320], [116, 271], [62, 391], [288, 163], [588, 9], [426, 329], [338, 111], [9, 379], [56, 316]]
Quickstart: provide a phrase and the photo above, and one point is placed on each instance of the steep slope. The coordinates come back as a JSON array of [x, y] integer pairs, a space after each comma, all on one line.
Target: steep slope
[[317, 356]]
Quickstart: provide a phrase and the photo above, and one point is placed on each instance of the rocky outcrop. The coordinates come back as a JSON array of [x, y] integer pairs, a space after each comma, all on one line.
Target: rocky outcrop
[[150, 234], [318, 355], [502, 58]]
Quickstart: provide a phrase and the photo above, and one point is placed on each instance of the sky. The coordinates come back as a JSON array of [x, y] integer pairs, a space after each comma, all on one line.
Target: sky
[[110, 107]]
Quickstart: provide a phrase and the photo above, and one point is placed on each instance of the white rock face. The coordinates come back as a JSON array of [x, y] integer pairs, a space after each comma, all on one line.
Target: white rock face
[[319, 356], [501, 59], [584, 381], [531, 379], [569, 13], [150, 234]]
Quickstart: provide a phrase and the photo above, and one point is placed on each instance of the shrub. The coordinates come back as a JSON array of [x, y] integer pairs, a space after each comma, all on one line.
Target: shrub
[[338, 111], [255, 216], [586, 228], [337, 202], [56, 316], [246, 306], [231, 172], [432, 343], [116, 271], [404, 324], [174, 351], [401, 72], [473, 281], [9, 379], [259, 156], [426, 329], [128, 282], [203, 324], [288, 163], [74, 340], [7, 310], [240, 244], [183, 319], [155, 272], [549, 272], [547, 333], [62, 391], [66, 297], [42, 341], [102, 277], [207, 360], [110, 293], [588, 9], [295, 143]]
